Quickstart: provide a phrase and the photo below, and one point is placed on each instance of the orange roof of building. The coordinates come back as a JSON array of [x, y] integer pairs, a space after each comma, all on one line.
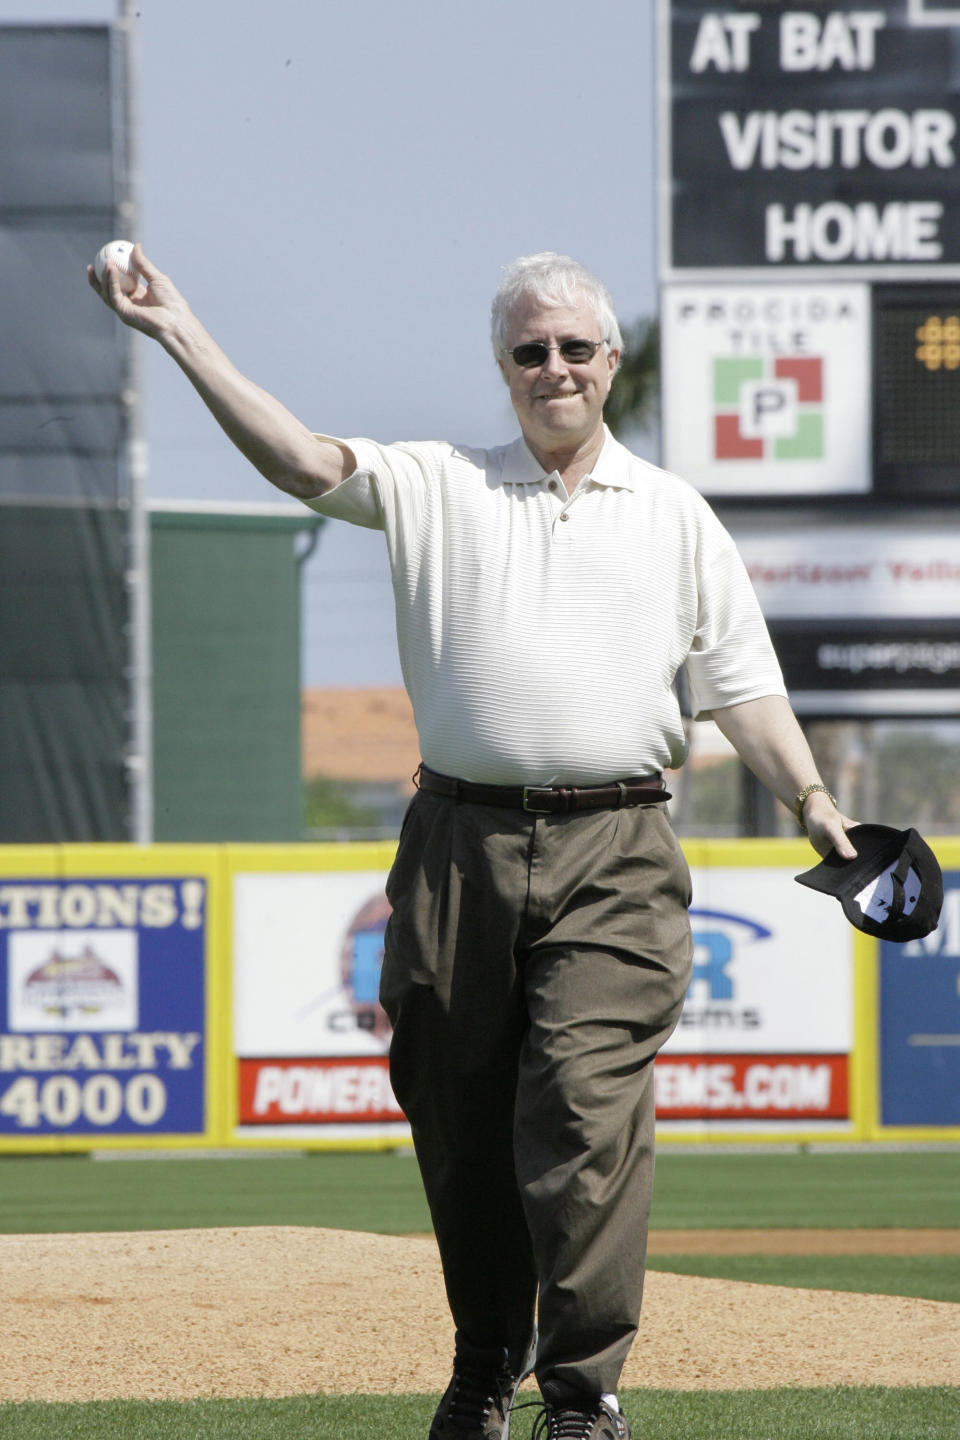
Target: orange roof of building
[[364, 733]]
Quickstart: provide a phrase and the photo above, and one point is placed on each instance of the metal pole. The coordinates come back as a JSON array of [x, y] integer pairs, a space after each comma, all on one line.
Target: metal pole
[[139, 758]]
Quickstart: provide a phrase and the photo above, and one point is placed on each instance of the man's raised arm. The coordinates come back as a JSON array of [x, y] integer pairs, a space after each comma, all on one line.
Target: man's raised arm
[[284, 451]]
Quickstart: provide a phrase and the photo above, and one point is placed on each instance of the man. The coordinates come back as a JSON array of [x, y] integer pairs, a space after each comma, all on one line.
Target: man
[[539, 949]]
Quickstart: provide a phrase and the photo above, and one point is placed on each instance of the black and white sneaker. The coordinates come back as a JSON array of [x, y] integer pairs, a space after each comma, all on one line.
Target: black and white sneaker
[[594, 1421]]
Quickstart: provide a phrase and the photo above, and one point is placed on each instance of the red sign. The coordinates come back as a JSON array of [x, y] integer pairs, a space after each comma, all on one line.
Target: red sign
[[316, 1092], [751, 1087]]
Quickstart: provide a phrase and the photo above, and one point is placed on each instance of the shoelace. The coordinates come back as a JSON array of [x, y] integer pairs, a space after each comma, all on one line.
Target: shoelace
[[564, 1424]]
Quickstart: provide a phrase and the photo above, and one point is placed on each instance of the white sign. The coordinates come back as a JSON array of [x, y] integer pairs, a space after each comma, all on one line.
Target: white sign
[[307, 953], [870, 572], [766, 388], [303, 987], [773, 968]]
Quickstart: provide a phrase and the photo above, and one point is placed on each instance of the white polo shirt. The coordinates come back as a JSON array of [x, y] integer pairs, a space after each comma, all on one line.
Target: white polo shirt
[[540, 634]]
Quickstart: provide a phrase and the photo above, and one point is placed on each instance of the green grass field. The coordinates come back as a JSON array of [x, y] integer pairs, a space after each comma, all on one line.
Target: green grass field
[[927, 1277], [382, 1193], [873, 1414]]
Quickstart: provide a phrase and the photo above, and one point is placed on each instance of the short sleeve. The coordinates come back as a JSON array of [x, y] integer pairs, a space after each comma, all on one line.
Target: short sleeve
[[732, 658], [389, 480]]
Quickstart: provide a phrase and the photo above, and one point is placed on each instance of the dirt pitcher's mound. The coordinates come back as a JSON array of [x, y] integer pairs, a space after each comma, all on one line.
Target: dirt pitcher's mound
[[184, 1314]]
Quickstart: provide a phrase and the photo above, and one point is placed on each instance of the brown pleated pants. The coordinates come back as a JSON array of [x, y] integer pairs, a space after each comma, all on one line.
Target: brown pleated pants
[[533, 967]]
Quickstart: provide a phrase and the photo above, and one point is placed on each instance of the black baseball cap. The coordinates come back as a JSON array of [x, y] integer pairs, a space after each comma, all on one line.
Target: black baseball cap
[[892, 890]]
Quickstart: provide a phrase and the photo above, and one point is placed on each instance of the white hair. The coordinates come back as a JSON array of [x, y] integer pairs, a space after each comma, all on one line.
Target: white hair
[[552, 280]]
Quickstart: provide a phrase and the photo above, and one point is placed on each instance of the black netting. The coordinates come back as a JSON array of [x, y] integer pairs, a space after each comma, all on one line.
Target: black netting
[[64, 496]]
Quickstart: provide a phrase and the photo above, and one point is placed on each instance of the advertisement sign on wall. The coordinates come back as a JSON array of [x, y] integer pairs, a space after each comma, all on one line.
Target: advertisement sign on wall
[[884, 667], [767, 388], [767, 1027], [102, 1007], [873, 571], [741, 1087], [310, 1036], [891, 597], [920, 1022], [765, 1034]]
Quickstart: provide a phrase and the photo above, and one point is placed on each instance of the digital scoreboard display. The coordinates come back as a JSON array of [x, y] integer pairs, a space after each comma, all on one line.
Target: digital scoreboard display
[[916, 391]]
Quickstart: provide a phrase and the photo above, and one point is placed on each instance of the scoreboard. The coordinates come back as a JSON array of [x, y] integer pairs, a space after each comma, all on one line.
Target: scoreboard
[[800, 135], [809, 241], [916, 391], [806, 147]]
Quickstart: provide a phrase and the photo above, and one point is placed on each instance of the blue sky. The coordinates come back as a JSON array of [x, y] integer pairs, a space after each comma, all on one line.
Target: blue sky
[[335, 185]]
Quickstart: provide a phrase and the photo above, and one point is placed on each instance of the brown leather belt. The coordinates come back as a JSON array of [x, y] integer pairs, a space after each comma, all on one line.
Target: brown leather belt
[[547, 799]]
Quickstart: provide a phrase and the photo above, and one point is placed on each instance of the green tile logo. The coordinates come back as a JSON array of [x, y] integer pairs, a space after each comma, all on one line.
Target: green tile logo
[[768, 408]]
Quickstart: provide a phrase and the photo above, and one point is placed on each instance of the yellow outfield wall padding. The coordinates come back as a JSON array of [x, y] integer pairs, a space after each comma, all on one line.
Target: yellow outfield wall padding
[[217, 865]]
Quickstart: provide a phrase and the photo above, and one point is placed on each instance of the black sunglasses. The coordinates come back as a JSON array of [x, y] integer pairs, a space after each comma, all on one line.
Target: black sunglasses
[[535, 352]]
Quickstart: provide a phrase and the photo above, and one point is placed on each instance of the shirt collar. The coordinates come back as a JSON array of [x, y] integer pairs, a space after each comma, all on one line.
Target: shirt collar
[[612, 468]]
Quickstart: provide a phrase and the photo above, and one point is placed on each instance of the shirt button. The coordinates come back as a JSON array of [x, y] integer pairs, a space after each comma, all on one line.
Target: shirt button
[[564, 516], [551, 484]]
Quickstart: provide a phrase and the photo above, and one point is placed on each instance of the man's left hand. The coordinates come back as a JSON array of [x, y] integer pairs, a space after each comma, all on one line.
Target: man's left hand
[[826, 827]]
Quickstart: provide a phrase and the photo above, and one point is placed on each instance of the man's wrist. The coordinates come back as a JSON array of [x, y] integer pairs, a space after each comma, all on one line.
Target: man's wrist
[[804, 795]]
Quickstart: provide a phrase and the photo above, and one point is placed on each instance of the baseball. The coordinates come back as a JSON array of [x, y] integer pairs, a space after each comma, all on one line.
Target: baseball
[[118, 253]]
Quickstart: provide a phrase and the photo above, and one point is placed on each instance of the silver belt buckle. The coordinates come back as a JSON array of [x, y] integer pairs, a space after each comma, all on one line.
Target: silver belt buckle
[[528, 790]]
